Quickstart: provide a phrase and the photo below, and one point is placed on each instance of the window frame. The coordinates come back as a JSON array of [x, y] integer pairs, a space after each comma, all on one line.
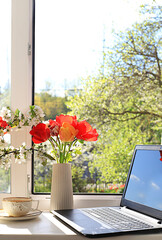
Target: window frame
[[22, 95]]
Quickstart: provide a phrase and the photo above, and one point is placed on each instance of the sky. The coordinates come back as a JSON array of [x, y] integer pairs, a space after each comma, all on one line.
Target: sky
[[145, 185], [69, 38], [5, 42]]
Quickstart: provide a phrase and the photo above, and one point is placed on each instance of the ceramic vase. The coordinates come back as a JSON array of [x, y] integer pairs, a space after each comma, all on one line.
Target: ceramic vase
[[61, 187]]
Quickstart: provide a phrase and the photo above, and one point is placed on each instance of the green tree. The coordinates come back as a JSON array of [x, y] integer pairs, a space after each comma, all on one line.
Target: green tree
[[4, 181], [125, 104], [42, 177], [132, 85], [79, 184], [51, 105], [5, 97]]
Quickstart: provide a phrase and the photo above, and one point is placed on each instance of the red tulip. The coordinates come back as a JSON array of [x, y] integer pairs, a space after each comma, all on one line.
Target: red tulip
[[3, 124], [54, 127], [72, 120], [40, 133], [86, 132]]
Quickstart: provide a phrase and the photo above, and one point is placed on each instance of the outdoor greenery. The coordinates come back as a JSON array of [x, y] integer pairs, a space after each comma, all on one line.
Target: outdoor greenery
[[42, 178], [124, 100], [4, 181], [5, 97], [51, 105]]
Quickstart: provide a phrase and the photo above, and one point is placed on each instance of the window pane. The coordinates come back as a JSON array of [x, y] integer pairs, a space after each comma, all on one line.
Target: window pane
[[95, 59], [5, 75]]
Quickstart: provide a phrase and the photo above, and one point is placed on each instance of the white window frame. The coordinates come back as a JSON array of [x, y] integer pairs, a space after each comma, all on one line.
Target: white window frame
[[21, 98], [21, 85]]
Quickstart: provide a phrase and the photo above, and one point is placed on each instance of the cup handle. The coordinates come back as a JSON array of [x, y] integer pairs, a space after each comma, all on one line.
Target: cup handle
[[37, 204]]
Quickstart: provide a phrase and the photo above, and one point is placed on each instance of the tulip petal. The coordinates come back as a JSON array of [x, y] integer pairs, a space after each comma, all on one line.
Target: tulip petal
[[86, 132], [66, 118], [40, 133], [67, 132]]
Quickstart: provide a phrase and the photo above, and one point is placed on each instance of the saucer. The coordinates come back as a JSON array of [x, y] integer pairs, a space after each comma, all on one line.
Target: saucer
[[32, 214]]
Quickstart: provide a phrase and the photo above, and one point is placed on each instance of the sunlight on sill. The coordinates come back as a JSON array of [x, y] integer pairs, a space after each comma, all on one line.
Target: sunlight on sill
[[58, 224], [46, 224], [5, 229]]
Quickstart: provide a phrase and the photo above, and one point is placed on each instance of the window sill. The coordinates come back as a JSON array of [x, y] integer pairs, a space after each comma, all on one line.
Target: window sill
[[81, 201]]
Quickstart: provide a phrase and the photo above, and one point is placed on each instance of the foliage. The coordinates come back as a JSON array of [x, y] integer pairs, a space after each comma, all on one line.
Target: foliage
[[5, 96], [125, 103], [4, 181], [42, 177], [51, 105], [79, 184], [135, 68], [132, 86]]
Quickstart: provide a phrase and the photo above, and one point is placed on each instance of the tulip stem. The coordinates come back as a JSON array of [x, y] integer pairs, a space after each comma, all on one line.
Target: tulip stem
[[70, 144], [52, 141], [64, 153]]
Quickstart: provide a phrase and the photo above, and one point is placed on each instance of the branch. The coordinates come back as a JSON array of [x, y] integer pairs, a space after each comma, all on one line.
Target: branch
[[138, 51], [132, 112]]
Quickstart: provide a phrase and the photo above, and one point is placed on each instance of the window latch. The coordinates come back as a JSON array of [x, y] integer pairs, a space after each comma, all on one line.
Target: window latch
[[29, 49]]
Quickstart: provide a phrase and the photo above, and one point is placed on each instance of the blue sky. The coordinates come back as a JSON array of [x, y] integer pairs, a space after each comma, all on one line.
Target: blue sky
[[145, 184]]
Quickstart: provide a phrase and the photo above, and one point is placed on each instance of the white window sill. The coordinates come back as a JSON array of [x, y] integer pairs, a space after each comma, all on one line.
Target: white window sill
[[47, 227], [81, 201]]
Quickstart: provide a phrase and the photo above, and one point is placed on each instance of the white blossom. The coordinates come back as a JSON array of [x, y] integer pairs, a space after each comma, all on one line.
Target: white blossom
[[38, 116], [39, 112], [20, 160], [16, 122], [41, 157], [5, 113]]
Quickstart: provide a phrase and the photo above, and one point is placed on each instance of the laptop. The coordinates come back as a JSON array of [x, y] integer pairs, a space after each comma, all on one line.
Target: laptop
[[140, 208]]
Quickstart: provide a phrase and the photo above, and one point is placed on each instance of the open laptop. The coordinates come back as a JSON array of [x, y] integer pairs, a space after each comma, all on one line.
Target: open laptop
[[141, 204]]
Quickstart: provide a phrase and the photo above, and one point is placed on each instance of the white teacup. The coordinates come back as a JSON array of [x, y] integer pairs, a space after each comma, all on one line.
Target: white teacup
[[18, 206]]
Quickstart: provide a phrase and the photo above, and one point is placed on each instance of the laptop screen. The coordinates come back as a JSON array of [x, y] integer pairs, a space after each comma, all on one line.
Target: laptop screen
[[145, 182]]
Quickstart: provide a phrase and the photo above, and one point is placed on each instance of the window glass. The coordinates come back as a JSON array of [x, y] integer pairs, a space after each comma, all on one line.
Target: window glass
[[99, 60], [5, 76]]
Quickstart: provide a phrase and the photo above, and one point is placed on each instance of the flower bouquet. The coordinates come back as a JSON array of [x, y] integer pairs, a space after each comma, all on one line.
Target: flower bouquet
[[63, 134]]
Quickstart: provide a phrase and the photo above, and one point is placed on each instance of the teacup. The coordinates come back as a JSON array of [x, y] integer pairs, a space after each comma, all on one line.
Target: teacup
[[18, 206]]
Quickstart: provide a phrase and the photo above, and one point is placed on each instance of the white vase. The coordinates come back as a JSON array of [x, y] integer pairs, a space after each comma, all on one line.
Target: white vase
[[61, 187]]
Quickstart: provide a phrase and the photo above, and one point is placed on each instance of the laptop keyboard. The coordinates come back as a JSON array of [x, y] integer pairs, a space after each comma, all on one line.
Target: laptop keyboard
[[117, 220]]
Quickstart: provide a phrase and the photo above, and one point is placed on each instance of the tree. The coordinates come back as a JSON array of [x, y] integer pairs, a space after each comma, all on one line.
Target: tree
[[4, 180], [124, 104], [51, 105], [5, 96], [132, 86], [42, 177], [135, 67], [79, 184]]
